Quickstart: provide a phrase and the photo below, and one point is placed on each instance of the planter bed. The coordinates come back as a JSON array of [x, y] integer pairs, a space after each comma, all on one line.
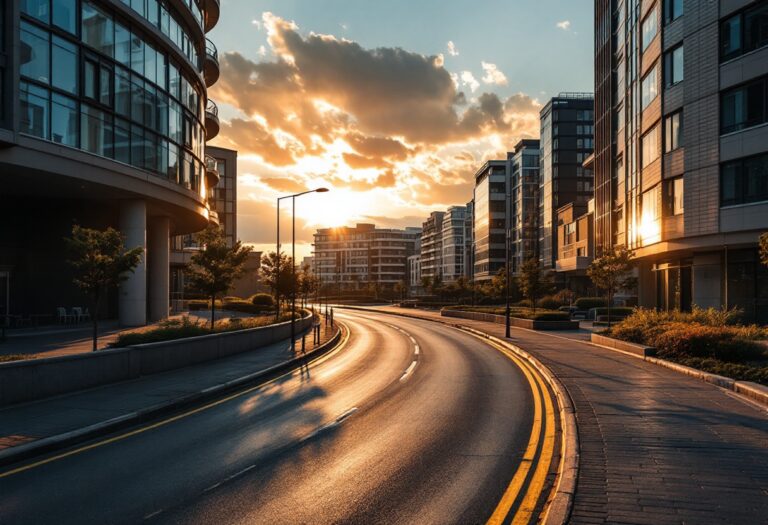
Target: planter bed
[[530, 324]]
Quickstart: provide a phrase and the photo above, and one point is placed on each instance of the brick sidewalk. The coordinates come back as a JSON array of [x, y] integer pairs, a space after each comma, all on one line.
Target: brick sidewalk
[[656, 447]]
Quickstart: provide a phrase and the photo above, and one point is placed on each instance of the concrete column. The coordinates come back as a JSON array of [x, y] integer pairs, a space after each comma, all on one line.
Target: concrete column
[[708, 280], [133, 291], [158, 261]]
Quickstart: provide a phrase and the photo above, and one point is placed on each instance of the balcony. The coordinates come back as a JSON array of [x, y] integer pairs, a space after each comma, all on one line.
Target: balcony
[[211, 172], [213, 217], [211, 68], [212, 125], [212, 11]]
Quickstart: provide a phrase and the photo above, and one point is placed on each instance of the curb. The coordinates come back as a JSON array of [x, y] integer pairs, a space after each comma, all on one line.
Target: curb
[[59, 441], [558, 508]]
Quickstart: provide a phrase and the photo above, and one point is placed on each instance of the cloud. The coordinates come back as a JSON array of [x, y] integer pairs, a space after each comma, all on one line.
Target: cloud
[[565, 25], [469, 80], [452, 50], [493, 75]]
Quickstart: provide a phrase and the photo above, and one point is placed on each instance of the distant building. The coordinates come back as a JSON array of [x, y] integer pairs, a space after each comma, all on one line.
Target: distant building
[[453, 243], [432, 246], [351, 259], [250, 282], [523, 173], [490, 219], [567, 138], [308, 261], [414, 275], [469, 241], [575, 245]]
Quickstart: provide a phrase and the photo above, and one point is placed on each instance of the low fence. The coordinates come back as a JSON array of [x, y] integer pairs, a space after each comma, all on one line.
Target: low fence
[[36, 379], [514, 321]]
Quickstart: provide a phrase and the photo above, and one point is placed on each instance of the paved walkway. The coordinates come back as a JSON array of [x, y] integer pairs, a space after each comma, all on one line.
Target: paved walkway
[[53, 416], [657, 447], [56, 340]]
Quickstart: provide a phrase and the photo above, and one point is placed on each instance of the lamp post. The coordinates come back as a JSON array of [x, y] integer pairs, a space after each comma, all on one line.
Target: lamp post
[[293, 256], [508, 235]]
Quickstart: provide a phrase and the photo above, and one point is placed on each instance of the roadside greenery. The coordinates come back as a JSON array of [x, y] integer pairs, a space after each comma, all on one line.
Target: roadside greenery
[[711, 340], [16, 357], [187, 327], [612, 272], [518, 312]]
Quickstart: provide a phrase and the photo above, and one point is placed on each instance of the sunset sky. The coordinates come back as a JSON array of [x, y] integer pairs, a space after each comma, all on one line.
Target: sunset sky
[[392, 104]]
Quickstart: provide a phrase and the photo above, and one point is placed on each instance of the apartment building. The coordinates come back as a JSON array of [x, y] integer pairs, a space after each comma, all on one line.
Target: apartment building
[[567, 138], [469, 241], [490, 219], [523, 166], [453, 243], [104, 115], [575, 245], [681, 147], [349, 259], [432, 246]]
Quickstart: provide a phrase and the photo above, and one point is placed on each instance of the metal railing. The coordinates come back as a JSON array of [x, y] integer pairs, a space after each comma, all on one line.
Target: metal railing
[[210, 50], [212, 108]]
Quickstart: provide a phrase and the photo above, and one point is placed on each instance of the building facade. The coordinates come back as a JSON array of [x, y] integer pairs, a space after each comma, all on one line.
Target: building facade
[[523, 165], [352, 259], [490, 219], [567, 139], [453, 243], [575, 245], [681, 149], [469, 242], [104, 116], [414, 275], [432, 246]]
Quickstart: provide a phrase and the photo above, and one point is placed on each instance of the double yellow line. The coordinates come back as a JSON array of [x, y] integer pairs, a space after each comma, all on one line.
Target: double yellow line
[[539, 451], [314, 362]]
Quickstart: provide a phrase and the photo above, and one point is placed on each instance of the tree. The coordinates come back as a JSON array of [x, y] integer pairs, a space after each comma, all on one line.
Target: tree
[[101, 261], [613, 272], [499, 283], [274, 271], [214, 268], [764, 248], [307, 283], [533, 281], [426, 283], [400, 289]]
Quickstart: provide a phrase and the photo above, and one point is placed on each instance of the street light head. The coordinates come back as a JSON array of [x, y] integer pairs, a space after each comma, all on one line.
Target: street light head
[[322, 190]]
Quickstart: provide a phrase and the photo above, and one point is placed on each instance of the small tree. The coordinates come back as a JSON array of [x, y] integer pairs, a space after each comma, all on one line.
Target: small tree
[[533, 281], [498, 285], [214, 268], [613, 272], [101, 261], [764, 248], [307, 283], [426, 283], [274, 271], [400, 289]]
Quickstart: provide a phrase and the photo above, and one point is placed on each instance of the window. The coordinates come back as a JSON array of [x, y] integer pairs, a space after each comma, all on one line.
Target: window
[[122, 92], [96, 129], [98, 30], [650, 27], [650, 87], [673, 197], [744, 181], [649, 228], [64, 117], [673, 131], [64, 65], [65, 15], [674, 9], [673, 66], [744, 32], [36, 9], [34, 110], [650, 146], [744, 106], [122, 44], [39, 63]]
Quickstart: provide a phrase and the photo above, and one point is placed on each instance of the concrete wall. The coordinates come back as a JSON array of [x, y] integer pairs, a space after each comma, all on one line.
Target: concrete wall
[[28, 380]]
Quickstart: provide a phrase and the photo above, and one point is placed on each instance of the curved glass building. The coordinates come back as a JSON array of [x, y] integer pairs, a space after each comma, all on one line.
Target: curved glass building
[[103, 122]]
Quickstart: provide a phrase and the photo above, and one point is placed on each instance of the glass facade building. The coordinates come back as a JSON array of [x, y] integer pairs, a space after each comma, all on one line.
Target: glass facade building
[[490, 219], [523, 165], [104, 117]]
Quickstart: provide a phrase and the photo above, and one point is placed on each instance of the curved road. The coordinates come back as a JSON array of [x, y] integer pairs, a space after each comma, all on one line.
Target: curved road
[[414, 423]]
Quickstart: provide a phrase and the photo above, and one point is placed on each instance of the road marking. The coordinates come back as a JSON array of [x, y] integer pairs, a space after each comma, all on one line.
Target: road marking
[[408, 371], [152, 514], [527, 506], [416, 350], [346, 414], [120, 437]]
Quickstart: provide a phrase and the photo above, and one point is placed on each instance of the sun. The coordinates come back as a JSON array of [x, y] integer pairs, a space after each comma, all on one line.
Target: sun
[[338, 207]]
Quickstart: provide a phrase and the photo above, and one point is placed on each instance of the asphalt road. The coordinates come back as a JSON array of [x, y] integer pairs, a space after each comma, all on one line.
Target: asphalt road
[[421, 424]]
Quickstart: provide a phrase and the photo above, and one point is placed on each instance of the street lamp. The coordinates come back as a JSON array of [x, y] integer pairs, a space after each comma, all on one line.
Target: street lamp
[[293, 256], [508, 234]]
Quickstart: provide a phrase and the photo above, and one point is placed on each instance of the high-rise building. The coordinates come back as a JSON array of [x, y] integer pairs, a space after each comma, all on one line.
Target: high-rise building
[[490, 216], [567, 138], [432, 246], [352, 259], [681, 150], [104, 116], [523, 172], [469, 241], [453, 243]]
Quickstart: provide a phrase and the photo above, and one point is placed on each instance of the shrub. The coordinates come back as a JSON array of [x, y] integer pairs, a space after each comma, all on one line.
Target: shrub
[[262, 299], [550, 302], [525, 303], [740, 372], [549, 316], [617, 312], [198, 304], [707, 342], [585, 303], [565, 297], [713, 316]]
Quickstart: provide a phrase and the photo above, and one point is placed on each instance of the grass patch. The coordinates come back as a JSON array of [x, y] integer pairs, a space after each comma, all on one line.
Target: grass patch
[[521, 313], [186, 327]]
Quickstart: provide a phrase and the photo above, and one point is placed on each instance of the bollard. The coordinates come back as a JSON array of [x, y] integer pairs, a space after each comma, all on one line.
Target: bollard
[[303, 338]]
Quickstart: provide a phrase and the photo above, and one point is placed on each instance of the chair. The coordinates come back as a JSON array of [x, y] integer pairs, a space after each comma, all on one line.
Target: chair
[[63, 316]]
